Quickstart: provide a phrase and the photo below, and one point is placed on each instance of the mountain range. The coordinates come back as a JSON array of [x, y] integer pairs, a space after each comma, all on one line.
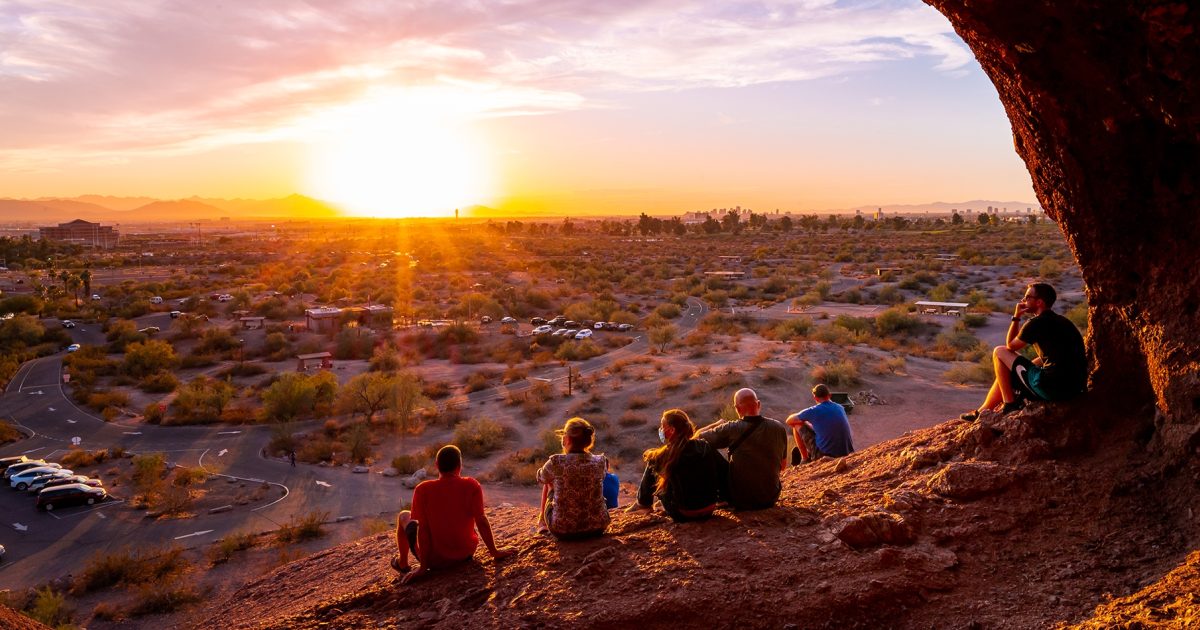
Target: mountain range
[[148, 210]]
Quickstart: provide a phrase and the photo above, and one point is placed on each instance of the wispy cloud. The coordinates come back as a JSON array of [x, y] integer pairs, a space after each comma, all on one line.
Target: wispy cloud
[[91, 78]]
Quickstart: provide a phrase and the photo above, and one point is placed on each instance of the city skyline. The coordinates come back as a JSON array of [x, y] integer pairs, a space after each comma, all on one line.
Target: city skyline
[[562, 107]]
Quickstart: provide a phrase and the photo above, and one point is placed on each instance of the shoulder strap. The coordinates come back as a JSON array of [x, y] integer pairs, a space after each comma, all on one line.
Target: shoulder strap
[[745, 434]]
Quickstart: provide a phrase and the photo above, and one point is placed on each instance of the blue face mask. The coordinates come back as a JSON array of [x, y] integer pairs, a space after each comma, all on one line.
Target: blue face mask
[[662, 437]]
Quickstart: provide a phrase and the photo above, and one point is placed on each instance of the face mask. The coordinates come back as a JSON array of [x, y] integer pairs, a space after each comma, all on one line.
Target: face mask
[[662, 437]]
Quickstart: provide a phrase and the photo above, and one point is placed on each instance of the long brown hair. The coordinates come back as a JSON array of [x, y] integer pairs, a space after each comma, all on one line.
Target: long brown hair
[[663, 458]]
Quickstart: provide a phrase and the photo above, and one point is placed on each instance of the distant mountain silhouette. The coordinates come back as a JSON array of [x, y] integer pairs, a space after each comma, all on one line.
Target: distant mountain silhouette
[[49, 211], [945, 207]]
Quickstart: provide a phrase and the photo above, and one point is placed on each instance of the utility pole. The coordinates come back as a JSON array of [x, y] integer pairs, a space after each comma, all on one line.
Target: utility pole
[[572, 378]]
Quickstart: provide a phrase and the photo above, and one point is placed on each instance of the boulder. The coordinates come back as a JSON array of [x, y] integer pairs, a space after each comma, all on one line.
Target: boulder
[[416, 478], [965, 481], [362, 470], [875, 528], [390, 472]]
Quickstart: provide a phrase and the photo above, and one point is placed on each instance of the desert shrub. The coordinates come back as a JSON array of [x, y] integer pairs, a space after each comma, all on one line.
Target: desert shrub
[[197, 361], [148, 471], [667, 311], [521, 467], [76, 459], [974, 320], [958, 339], [223, 549], [104, 399], [789, 329], [407, 464], [891, 365], [478, 437], [853, 324], [154, 599], [358, 442], [129, 567], [514, 374], [894, 320], [50, 607], [631, 419], [8, 433], [479, 380], [154, 413], [835, 335], [106, 611], [836, 373], [315, 449], [146, 358], [1078, 315], [184, 477], [436, 389], [963, 373], [242, 368], [638, 402], [578, 350], [159, 383], [302, 528]]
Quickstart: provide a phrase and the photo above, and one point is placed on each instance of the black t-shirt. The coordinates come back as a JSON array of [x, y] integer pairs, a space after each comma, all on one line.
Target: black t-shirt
[[1060, 345]]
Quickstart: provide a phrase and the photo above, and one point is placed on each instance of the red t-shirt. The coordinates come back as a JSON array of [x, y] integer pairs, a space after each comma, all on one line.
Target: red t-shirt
[[447, 507]]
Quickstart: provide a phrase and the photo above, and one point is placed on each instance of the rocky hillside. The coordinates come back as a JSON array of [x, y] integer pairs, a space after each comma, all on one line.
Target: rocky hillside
[[1029, 520]]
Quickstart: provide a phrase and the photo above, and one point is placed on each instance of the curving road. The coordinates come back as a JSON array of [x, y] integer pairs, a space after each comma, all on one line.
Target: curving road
[[42, 546]]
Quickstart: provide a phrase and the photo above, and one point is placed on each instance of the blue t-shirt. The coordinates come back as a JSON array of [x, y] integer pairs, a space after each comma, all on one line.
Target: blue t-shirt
[[829, 422]]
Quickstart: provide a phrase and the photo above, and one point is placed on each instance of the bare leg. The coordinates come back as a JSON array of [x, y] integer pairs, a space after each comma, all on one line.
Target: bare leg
[[402, 521], [1002, 359], [542, 524]]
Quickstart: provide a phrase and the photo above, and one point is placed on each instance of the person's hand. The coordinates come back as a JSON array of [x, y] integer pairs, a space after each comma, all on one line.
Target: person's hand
[[414, 574], [502, 553]]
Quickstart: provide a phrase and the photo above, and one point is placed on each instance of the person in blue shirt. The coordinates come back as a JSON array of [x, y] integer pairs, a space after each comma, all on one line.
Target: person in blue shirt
[[823, 429]]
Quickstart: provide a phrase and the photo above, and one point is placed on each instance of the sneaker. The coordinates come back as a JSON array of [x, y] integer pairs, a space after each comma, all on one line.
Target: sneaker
[[970, 416], [1010, 407]]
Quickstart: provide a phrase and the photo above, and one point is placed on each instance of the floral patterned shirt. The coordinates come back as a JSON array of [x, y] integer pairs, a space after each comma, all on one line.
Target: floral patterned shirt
[[576, 500]]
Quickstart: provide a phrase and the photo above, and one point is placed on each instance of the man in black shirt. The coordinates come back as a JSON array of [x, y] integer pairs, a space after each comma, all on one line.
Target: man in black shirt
[[1060, 370]]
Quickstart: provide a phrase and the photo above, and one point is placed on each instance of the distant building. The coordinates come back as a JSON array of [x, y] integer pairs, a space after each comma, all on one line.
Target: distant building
[[322, 319], [80, 232]]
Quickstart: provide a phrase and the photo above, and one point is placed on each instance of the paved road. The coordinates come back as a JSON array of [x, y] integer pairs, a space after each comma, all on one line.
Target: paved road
[[43, 545]]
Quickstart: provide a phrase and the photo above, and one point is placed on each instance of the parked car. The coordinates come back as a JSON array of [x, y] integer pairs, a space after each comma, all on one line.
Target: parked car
[[39, 482], [70, 494], [560, 332], [571, 324], [508, 320], [96, 297], [87, 481], [175, 314], [598, 325], [625, 327], [486, 319], [73, 347], [583, 334], [156, 300], [25, 465], [2, 552], [68, 323], [5, 462], [558, 320], [543, 329], [149, 330], [21, 480], [538, 321]]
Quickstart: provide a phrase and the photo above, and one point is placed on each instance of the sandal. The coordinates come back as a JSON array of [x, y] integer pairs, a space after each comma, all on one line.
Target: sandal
[[970, 416], [400, 569]]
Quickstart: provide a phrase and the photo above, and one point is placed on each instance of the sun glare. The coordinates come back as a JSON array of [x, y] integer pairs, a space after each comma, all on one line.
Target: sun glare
[[403, 155]]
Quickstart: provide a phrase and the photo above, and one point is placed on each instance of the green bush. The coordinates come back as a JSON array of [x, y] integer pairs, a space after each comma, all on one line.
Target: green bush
[[836, 374], [964, 373], [155, 599], [129, 567], [478, 437], [974, 320], [407, 464], [302, 528], [50, 607], [224, 549], [894, 320], [159, 383]]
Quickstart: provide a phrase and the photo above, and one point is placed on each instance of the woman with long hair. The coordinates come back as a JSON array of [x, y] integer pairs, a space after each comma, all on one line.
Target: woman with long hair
[[687, 475], [573, 485]]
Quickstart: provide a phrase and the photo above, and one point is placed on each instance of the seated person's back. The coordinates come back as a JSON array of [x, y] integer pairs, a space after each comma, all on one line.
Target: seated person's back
[[687, 475], [574, 504], [758, 450], [824, 425], [448, 506]]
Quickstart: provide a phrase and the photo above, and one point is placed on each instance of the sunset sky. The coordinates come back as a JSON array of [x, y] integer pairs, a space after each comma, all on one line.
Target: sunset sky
[[403, 108]]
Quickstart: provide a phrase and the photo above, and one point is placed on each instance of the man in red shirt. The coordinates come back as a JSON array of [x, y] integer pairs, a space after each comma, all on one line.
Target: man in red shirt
[[440, 530]]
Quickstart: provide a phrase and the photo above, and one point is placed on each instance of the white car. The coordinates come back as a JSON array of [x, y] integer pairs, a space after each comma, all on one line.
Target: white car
[[598, 325], [73, 347], [21, 480], [68, 323], [583, 334], [541, 330], [508, 320], [625, 327], [38, 482], [561, 331], [156, 300], [96, 297]]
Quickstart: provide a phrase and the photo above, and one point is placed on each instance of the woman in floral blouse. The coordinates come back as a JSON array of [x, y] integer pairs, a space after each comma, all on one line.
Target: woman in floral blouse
[[573, 485]]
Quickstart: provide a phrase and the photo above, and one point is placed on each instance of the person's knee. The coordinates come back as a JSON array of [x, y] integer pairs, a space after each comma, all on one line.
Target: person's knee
[[1000, 351], [403, 519]]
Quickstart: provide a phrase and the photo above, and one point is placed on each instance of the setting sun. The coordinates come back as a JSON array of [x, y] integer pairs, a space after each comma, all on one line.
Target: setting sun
[[407, 154]]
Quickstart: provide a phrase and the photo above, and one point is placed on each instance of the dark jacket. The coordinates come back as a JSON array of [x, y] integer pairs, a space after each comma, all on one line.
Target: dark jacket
[[699, 478]]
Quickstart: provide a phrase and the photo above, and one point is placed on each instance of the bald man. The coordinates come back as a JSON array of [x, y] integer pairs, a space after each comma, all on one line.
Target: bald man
[[757, 452]]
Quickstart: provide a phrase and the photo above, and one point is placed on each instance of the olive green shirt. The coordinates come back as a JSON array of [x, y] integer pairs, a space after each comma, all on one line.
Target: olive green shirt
[[754, 467]]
